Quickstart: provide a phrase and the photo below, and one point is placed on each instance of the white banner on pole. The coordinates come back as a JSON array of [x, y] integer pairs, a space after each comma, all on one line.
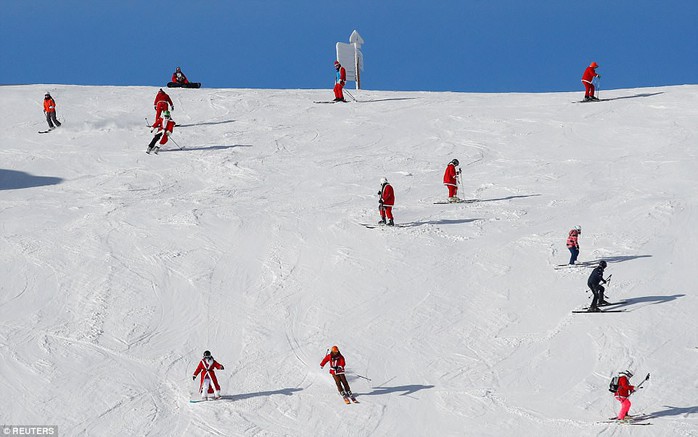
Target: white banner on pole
[[351, 58]]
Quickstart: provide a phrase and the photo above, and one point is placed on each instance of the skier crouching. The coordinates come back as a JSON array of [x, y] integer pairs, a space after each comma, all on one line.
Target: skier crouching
[[594, 283], [337, 364], [163, 128], [209, 382]]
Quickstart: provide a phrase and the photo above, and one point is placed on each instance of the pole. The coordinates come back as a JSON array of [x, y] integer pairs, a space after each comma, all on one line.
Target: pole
[[356, 66], [360, 376], [639, 386], [172, 139], [598, 87], [352, 97]]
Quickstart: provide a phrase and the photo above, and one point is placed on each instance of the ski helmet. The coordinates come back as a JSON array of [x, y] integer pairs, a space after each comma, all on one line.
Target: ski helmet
[[165, 114], [47, 94], [578, 229], [207, 354], [627, 373], [337, 64], [603, 264], [455, 162], [384, 180], [334, 350], [593, 65], [179, 69]]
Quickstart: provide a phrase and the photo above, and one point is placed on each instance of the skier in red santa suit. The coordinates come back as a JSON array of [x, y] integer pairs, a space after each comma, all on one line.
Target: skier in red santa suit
[[337, 364], [623, 393], [162, 100], [451, 180], [163, 128], [386, 202], [588, 79], [340, 80], [209, 383]]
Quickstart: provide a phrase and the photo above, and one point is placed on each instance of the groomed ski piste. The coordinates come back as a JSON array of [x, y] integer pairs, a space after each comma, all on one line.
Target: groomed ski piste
[[120, 268]]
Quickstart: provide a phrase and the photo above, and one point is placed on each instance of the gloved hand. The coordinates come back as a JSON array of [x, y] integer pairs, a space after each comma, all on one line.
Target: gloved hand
[[222, 367], [599, 76], [173, 107], [322, 367], [193, 377], [380, 202]]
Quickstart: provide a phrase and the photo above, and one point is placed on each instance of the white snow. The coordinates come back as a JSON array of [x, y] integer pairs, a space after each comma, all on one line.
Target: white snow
[[120, 268]]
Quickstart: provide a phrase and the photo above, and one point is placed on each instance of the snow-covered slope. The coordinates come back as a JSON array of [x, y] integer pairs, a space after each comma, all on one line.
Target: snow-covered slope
[[120, 268]]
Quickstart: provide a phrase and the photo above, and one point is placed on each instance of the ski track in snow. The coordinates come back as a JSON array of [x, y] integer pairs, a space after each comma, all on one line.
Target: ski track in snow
[[120, 268]]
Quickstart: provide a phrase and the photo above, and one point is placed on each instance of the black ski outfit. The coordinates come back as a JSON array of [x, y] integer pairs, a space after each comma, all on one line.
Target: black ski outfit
[[594, 283]]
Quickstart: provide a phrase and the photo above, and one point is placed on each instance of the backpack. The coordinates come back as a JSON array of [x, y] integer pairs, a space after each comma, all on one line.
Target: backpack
[[613, 386]]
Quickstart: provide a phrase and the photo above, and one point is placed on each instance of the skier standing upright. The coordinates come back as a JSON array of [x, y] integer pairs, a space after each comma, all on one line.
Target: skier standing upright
[[573, 243], [163, 128], [594, 282], [209, 383], [340, 80], [451, 180], [588, 81], [623, 393], [337, 364], [386, 202], [162, 100], [50, 111]]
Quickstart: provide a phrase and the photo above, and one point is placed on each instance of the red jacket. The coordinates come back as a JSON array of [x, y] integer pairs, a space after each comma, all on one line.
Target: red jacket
[[179, 77], [450, 175], [207, 368], [624, 387], [167, 127], [387, 195], [337, 363], [589, 74], [162, 97], [49, 105], [572, 239]]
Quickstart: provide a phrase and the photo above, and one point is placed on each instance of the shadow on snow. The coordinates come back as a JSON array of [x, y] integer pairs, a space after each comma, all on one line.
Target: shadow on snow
[[15, 180], [614, 259], [438, 222], [189, 149], [206, 123], [283, 391], [672, 411], [635, 96], [406, 389], [499, 199], [648, 300]]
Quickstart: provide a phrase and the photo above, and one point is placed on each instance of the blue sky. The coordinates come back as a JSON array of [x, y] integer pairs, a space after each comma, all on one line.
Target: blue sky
[[434, 45]]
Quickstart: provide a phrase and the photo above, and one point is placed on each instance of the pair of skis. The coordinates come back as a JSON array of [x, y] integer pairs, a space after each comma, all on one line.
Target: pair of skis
[[348, 399]]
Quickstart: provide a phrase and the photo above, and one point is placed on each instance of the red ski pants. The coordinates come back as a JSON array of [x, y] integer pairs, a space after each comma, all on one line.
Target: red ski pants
[[161, 106], [588, 89], [452, 190], [624, 407], [386, 211], [338, 94]]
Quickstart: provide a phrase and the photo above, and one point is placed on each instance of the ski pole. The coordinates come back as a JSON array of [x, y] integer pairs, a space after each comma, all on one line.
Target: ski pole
[[147, 123], [598, 87], [172, 139], [360, 376], [639, 386], [352, 97]]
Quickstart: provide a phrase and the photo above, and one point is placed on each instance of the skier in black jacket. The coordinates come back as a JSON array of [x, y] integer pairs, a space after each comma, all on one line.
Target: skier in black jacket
[[594, 282]]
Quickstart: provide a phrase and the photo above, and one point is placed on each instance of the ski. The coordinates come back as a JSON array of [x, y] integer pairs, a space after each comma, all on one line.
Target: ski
[[184, 85], [622, 422], [589, 101], [370, 226], [353, 399], [45, 131], [346, 400], [597, 312], [331, 101]]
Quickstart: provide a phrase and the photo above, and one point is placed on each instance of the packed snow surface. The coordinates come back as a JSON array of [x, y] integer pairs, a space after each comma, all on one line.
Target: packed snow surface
[[120, 268]]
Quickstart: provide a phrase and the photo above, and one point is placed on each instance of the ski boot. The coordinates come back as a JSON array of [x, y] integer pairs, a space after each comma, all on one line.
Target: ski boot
[[381, 221], [594, 310], [156, 149], [390, 222]]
